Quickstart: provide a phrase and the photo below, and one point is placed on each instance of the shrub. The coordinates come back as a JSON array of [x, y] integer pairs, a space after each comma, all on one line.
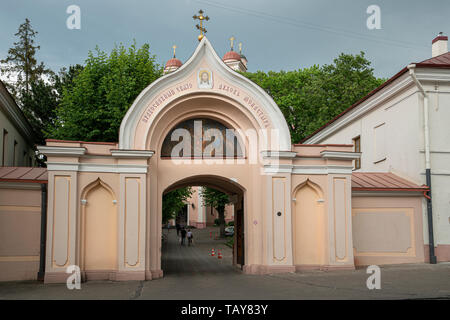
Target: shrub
[[230, 242]]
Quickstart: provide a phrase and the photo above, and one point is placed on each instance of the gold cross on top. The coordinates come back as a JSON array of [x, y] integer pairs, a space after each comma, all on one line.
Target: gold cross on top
[[200, 26], [174, 47], [232, 42]]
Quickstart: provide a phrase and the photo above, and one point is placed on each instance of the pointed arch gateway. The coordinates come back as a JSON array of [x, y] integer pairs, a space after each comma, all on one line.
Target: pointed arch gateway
[[308, 223], [185, 82], [140, 175], [229, 99]]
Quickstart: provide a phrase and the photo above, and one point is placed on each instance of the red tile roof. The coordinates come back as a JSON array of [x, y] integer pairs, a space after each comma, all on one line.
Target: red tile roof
[[382, 181], [23, 174], [174, 62], [231, 55], [442, 61]]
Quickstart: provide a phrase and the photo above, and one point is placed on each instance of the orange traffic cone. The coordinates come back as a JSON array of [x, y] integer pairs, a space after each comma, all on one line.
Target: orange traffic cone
[[219, 256], [213, 253]]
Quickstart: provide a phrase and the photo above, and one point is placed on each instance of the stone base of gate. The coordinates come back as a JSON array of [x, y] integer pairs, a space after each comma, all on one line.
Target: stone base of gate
[[155, 274], [56, 277], [130, 275], [262, 269], [310, 267], [98, 275]]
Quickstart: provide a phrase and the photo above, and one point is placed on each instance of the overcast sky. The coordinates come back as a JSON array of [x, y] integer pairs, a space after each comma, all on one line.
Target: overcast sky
[[276, 34]]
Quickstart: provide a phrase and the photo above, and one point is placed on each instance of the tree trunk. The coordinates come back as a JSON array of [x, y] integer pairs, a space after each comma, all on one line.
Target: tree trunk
[[221, 211]]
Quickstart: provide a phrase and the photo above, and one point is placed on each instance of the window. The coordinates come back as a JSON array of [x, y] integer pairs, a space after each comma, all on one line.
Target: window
[[201, 137], [357, 147], [379, 136], [4, 146]]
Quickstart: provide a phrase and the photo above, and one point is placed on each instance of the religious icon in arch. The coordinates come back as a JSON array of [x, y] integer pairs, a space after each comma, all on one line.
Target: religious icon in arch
[[204, 79]]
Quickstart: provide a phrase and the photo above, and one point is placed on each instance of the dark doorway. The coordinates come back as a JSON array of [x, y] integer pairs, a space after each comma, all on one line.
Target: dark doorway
[[198, 258], [182, 218], [239, 233]]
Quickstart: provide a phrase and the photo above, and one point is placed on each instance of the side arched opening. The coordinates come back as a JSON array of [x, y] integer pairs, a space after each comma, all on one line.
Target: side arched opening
[[308, 223], [99, 232]]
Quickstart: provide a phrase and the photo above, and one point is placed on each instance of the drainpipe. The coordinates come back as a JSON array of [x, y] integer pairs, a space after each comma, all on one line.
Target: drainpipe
[[426, 131], [41, 272]]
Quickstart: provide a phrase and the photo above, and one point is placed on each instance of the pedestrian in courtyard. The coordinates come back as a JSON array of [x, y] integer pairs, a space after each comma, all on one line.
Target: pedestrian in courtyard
[[190, 237], [183, 235], [177, 225]]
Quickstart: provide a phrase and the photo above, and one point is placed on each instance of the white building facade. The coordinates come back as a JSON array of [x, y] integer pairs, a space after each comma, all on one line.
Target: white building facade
[[389, 128], [17, 137]]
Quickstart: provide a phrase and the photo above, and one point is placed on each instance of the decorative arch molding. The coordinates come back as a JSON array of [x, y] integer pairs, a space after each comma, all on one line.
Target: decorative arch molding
[[309, 226], [308, 182], [92, 185], [230, 114], [218, 138], [83, 242], [157, 96], [211, 180]]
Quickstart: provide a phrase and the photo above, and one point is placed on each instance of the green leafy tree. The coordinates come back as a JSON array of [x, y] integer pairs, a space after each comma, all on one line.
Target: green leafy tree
[[173, 202], [30, 81], [41, 101], [21, 62], [217, 200], [311, 97], [39, 106], [65, 78], [92, 108]]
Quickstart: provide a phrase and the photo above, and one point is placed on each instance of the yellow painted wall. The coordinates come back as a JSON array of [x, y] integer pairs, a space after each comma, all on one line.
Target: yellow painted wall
[[20, 229], [308, 227], [100, 230]]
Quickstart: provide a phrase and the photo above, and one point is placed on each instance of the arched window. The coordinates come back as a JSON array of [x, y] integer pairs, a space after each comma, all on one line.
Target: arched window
[[201, 138]]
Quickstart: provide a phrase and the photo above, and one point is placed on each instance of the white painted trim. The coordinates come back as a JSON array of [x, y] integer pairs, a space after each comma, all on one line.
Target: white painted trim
[[97, 167], [308, 169], [204, 49], [62, 151], [13, 112], [282, 168], [373, 102], [132, 153], [340, 155], [366, 193], [432, 74], [436, 151], [278, 154], [318, 169], [422, 73]]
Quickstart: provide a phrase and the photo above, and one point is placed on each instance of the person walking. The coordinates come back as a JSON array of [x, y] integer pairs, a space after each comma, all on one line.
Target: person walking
[[190, 236], [177, 226], [183, 235]]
